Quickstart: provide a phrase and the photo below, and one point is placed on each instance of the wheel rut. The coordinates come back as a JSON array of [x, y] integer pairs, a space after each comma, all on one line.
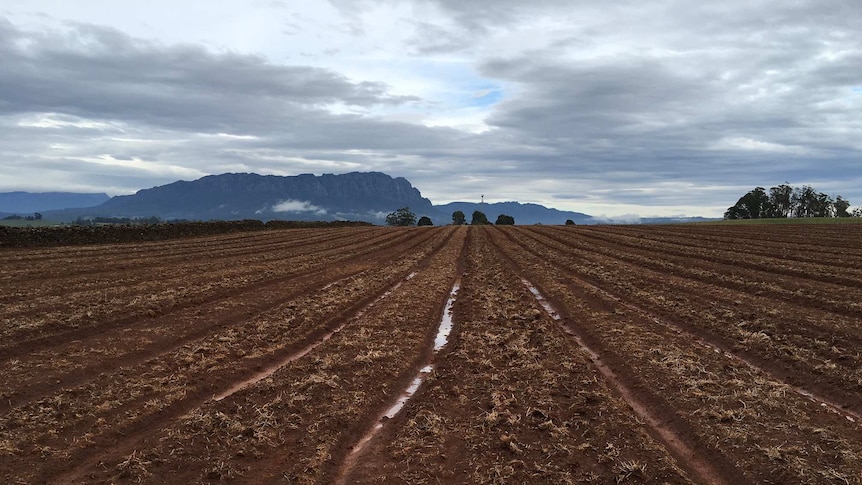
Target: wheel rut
[[40, 343], [190, 273], [124, 441], [692, 455], [83, 280], [835, 399], [441, 338], [45, 384], [637, 258]]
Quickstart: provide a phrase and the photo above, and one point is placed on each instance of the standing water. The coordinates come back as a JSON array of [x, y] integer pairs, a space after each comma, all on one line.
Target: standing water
[[440, 341]]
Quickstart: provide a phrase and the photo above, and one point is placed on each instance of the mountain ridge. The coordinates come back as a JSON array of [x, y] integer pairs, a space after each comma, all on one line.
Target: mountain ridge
[[360, 196], [24, 203], [247, 195], [524, 213]]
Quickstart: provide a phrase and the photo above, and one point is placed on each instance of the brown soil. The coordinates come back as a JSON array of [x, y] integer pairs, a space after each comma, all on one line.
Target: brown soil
[[662, 354]]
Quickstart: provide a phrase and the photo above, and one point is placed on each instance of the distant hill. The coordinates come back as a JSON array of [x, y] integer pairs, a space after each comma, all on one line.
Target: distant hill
[[27, 203], [523, 213], [355, 196], [676, 220]]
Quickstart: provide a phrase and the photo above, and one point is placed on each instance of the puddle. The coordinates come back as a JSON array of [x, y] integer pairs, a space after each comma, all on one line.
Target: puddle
[[440, 341], [549, 309], [268, 371], [442, 337], [417, 381]]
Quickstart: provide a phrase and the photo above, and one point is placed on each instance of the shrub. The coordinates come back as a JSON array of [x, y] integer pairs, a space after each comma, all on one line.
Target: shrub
[[504, 220]]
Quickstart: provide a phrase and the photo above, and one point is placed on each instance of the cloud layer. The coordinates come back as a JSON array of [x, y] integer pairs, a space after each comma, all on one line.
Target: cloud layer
[[658, 109], [298, 206]]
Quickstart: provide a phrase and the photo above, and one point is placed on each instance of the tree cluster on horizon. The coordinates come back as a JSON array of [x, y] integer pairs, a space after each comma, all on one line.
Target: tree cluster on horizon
[[401, 217], [458, 218], [479, 219], [505, 220], [405, 217], [16, 217], [785, 201]]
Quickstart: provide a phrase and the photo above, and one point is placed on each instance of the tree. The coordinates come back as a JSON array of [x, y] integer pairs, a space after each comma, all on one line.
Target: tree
[[841, 205], [753, 205], [570, 222], [808, 202], [479, 219], [504, 220], [804, 200], [781, 199], [824, 206], [401, 217], [458, 218], [424, 221], [786, 201]]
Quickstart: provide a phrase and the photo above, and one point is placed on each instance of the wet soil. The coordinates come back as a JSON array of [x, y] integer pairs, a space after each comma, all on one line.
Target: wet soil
[[609, 354]]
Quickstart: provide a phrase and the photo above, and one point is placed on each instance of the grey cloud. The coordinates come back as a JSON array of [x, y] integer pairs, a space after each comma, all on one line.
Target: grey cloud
[[101, 73], [432, 39], [126, 158], [662, 115], [709, 102], [478, 15]]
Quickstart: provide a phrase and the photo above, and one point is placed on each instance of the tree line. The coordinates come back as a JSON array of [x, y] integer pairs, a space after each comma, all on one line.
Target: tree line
[[405, 217], [15, 217], [785, 201]]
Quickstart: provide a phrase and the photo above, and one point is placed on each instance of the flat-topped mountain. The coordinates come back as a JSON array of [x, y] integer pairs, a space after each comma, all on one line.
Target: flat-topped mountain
[[356, 196], [365, 196]]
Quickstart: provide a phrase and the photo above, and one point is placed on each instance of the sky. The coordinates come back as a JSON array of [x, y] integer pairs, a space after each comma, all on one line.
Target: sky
[[649, 108]]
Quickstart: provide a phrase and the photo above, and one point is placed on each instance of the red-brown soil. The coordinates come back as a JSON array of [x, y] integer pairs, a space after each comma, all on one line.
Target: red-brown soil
[[607, 354]]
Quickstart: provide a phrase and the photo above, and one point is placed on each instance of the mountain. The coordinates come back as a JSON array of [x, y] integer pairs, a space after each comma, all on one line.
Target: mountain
[[358, 196], [27, 203], [523, 213]]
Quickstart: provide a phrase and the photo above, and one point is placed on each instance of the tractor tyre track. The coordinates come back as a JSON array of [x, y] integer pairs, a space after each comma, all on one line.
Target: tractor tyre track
[[661, 277], [661, 417], [694, 240], [662, 356], [145, 435], [814, 386], [274, 296], [43, 342], [125, 438], [706, 273], [137, 278]]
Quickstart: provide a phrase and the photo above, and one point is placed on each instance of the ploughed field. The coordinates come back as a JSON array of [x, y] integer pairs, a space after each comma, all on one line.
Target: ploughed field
[[605, 354]]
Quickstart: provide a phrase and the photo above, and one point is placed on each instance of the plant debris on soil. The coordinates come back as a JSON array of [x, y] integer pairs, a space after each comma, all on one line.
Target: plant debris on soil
[[602, 354]]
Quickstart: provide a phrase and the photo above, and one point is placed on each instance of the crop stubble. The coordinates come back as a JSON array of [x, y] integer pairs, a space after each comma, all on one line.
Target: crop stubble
[[112, 356]]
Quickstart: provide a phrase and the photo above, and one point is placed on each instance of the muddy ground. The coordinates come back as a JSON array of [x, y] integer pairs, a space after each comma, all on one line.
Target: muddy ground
[[606, 354]]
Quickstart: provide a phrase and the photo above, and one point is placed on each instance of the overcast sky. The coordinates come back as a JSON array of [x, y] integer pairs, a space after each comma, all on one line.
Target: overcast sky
[[649, 108]]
